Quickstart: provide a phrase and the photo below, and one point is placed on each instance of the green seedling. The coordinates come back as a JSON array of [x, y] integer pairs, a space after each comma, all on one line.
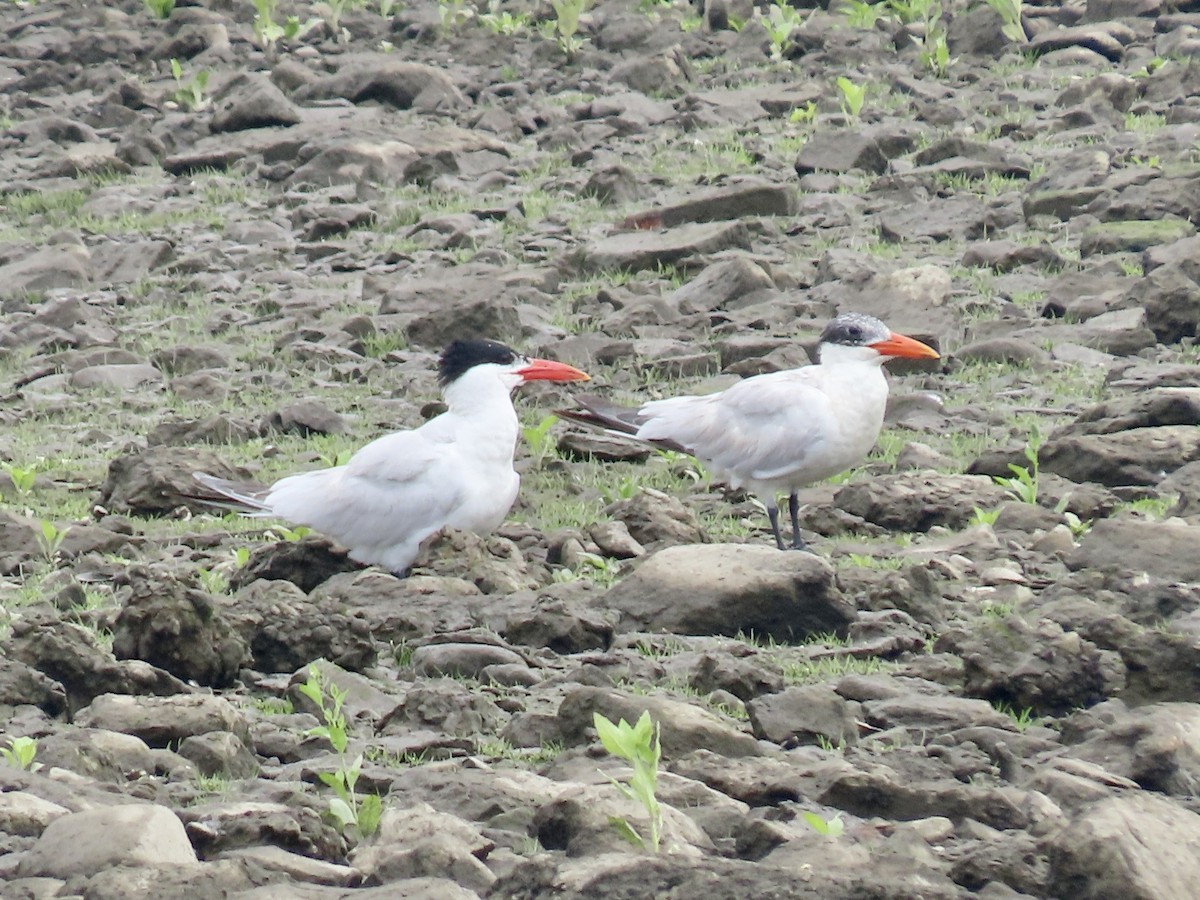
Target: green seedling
[[333, 10], [50, 539], [190, 94], [241, 556], [498, 22], [355, 815], [20, 754], [1009, 12], [453, 13], [862, 15], [541, 441], [291, 534], [828, 827], [907, 11], [22, 477], [640, 746], [853, 96], [160, 9], [563, 30], [386, 7], [268, 32], [340, 458], [1023, 485], [804, 115], [781, 20], [984, 516], [213, 581], [935, 52]]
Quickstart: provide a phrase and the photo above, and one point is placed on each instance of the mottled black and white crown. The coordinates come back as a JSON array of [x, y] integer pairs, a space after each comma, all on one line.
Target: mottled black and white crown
[[855, 330]]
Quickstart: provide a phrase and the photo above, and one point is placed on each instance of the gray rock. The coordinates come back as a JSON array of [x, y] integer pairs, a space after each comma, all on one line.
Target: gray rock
[[26, 814], [419, 841], [1155, 746], [731, 588], [1136, 456], [306, 564], [721, 283], [383, 78], [1040, 667], [22, 685], [461, 660], [1145, 409], [446, 706], [57, 266], [842, 150], [220, 753], [252, 101], [1132, 237], [70, 655], [805, 714], [297, 826], [296, 868], [286, 629], [97, 753], [1169, 550], [917, 501], [654, 518], [937, 714], [743, 197], [1171, 297], [169, 624], [160, 721], [159, 480], [683, 727], [130, 835], [1140, 846], [615, 541], [117, 377], [634, 251]]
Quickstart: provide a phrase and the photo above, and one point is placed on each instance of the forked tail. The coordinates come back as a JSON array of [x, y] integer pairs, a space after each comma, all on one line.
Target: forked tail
[[597, 412], [242, 496]]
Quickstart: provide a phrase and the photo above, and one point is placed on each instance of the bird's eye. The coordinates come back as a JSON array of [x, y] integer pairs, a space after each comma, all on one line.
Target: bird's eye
[[855, 332]]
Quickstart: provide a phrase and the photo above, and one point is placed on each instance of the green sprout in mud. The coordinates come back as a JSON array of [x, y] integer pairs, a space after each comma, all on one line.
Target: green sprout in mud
[[1009, 12], [853, 96], [638, 745], [1023, 485], [160, 9], [781, 20], [355, 815], [20, 754], [22, 477], [564, 28], [189, 94]]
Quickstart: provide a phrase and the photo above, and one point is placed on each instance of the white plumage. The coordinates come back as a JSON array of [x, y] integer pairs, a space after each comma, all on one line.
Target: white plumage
[[778, 432], [455, 470]]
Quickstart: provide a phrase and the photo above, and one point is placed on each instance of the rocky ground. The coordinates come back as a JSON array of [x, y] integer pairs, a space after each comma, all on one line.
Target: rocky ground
[[248, 264]]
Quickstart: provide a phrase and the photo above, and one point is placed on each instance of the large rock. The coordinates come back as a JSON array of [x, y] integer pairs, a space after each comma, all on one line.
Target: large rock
[[1167, 550], [159, 480], [418, 840], [1040, 667], [683, 727], [178, 628], [83, 843], [731, 588], [1136, 456], [916, 501], [70, 655], [1138, 846], [160, 721]]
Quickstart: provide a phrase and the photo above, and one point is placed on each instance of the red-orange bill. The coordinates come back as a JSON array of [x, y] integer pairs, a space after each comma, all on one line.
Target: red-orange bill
[[549, 370], [904, 346]]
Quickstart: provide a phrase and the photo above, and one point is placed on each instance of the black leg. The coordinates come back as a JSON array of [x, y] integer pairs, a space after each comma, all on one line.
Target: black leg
[[773, 515], [794, 511]]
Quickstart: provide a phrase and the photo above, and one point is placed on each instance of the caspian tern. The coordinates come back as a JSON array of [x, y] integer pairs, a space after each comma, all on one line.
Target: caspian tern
[[780, 431], [455, 470]]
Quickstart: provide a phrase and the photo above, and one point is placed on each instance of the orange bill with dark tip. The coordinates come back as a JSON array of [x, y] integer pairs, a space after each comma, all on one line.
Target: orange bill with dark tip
[[549, 370], [904, 346]]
